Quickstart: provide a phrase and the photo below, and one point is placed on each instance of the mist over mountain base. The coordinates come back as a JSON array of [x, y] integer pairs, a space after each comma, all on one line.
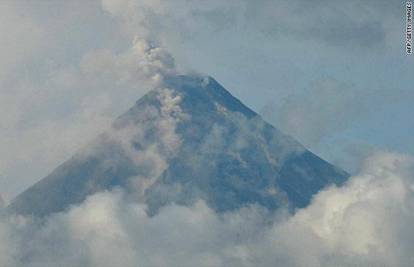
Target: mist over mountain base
[[366, 222]]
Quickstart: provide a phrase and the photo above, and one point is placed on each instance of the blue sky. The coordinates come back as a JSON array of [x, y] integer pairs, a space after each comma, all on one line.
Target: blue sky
[[334, 74]]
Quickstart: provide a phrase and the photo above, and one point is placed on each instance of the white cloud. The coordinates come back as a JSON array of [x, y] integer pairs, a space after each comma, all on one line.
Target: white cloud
[[365, 223]]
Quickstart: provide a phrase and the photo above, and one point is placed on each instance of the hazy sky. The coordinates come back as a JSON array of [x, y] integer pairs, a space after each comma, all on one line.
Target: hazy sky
[[334, 74]]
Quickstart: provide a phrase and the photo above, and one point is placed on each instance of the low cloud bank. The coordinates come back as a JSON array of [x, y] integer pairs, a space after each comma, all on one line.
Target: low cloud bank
[[367, 222]]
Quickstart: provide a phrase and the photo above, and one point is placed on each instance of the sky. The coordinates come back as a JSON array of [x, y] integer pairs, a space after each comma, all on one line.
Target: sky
[[333, 74]]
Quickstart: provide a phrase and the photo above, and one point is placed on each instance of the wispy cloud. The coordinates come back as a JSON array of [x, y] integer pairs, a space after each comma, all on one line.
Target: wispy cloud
[[348, 24]]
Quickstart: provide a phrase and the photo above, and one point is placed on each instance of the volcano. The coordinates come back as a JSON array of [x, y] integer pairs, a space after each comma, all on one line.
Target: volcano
[[186, 140]]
